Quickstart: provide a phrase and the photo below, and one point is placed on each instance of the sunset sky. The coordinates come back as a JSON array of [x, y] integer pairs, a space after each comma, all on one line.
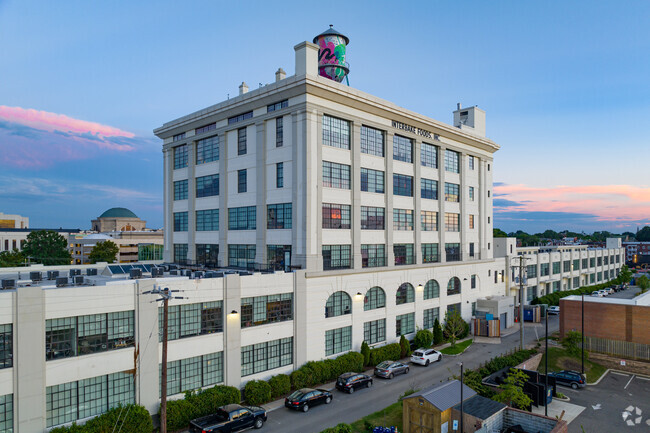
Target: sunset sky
[[565, 86]]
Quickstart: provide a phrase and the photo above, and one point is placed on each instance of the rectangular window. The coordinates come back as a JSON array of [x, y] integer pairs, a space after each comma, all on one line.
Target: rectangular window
[[180, 156], [178, 137], [372, 218], [429, 221], [600, 261], [336, 216], [430, 253], [336, 175], [402, 149], [576, 265], [429, 155], [191, 320], [403, 185], [241, 141], [592, 262], [473, 281], [180, 221], [193, 373], [180, 190], [207, 186], [372, 180], [279, 216], [240, 118], [205, 128], [275, 256], [261, 310], [404, 254], [430, 317], [242, 218], [470, 160], [452, 252], [279, 132], [277, 106], [372, 141], [452, 161], [471, 221], [207, 150], [6, 347], [242, 182], [556, 267], [471, 193], [405, 324], [374, 331], [337, 257], [566, 266], [241, 256], [402, 219], [336, 132], [429, 189], [207, 254], [543, 269], [180, 253], [576, 282], [207, 220], [452, 192], [471, 249], [452, 222], [266, 356], [373, 256], [338, 340], [585, 263]]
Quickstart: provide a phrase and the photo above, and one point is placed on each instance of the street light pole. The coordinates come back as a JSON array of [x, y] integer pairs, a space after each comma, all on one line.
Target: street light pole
[[546, 370], [461, 397], [583, 333]]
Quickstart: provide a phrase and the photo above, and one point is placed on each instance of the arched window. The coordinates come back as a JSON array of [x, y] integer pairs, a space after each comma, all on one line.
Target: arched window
[[453, 286], [431, 290], [375, 298], [405, 294], [338, 304]]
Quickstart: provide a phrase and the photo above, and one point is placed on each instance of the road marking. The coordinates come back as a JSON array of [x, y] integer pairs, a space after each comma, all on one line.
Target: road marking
[[620, 374], [644, 378], [628, 382]]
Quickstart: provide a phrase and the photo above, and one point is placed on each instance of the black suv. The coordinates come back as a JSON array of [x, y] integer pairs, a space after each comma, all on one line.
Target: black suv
[[569, 378], [349, 382], [229, 418]]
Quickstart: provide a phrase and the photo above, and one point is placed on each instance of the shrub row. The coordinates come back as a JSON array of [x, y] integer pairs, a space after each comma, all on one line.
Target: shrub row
[[316, 372], [388, 352], [197, 404], [554, 298], [125, 419], [340, 428], [280, 385]]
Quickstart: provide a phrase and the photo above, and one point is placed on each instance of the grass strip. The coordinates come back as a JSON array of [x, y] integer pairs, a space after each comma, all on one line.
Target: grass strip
[[458, 348]]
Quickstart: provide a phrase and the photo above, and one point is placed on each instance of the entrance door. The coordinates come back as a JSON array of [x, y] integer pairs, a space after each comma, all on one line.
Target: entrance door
[[444, 428], [503, 318]]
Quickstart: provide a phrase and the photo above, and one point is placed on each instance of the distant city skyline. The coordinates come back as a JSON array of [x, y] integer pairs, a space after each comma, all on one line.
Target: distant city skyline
[[84, 85]]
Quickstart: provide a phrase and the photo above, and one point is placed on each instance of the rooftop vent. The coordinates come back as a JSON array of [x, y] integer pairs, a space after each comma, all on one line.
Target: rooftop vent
[[280, 75], [35, 276], [78, 280], [91, 271], [243, 88], [8, 284], [52, 274], [61, 281], [135, 273], [74, 272]]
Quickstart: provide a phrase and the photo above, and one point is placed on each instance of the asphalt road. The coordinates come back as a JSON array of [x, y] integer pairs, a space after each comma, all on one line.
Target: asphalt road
[[349, 408]]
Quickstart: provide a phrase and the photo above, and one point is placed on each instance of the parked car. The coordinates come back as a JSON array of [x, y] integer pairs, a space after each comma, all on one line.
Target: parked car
[[388, 369], [425, 356], [306, 398], [555, 309], [349, 382], [230, 418], [569, 378]]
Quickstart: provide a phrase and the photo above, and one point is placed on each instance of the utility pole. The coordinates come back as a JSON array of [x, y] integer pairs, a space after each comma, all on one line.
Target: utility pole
[[582, 328], [461, 397], [546, 370], [521, 301]]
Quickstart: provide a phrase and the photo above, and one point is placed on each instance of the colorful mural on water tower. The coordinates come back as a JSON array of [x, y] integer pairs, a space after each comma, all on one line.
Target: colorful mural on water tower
[[331, 55]]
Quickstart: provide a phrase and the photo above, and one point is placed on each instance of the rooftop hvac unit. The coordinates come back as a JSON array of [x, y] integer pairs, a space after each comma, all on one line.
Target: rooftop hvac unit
[[135, 273], [173, 272], [78, 280], [35, 276], [198, 274], [91, 271], [52, 274], [186, 272], [61, 281], [74, 272], [209, 274], [154, 272], [8, 284]]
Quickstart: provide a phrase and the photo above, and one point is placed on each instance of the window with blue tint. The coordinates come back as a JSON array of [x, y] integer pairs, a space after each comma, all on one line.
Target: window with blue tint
[[405, 294], [452, 252], [207, 150], [6, 346], [452, 192], [336, 175], [431, 290], [375, 298], [372, 218], [430, 316], [240, 117], [178, 137], [429, 189], [279, 132], [180, 253], [338, 340], [452, 161], [207, 220], [403, 185], [180, 190], [430, 253], [429, 155], [242, 218], [471, 193], [277, 106], [404, 254], [279, 216], [336, 132], [372, 141], [374, 331], [180, 156], [241, 141], [402, 149], [207, 186], [279, 175], [240, 255], [265, 356], [453, 286], [372, 180], [373, 255], [404, 324], [337, 256], [338, 304], [180, 221], [242, 185], [402, 219]]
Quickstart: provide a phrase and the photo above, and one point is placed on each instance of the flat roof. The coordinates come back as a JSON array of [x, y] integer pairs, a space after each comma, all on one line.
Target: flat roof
[[641, 300]]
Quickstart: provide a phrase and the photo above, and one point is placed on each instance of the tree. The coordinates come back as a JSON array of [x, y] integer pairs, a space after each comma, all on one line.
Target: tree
[[423, 338], [512, 390], [571, 342], [625, 276], [629, 235], [404, 346], [437, 332], [10, 259], [498, 233], [643, 235], [454, 326], [47, 247], [643, 282], [365, 351], [104, 252]]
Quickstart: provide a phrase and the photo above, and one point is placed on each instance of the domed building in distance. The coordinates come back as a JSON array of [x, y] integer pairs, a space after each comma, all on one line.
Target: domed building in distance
[[118, 219]]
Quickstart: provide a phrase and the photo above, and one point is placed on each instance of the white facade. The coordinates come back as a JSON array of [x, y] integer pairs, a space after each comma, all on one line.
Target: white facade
[[8, 221]]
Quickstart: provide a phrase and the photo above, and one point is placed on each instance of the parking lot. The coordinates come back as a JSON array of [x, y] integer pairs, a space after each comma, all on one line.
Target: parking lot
[[619, 403], [628, 293]]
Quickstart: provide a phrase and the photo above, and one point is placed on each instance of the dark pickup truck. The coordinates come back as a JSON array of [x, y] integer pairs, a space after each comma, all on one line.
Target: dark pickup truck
[[230, 418]]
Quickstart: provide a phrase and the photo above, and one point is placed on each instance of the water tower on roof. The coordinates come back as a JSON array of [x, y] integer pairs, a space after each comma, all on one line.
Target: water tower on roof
[[331, 55]]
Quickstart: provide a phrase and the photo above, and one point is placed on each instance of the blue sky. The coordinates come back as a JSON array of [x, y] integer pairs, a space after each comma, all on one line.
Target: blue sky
[[564, 84]]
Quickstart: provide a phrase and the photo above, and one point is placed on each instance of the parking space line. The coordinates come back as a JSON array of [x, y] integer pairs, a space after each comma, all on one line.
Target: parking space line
[[644, 378], [628, 382], [620, 374]]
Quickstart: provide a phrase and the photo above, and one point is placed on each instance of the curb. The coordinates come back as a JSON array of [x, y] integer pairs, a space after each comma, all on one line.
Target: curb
[[458, 354]]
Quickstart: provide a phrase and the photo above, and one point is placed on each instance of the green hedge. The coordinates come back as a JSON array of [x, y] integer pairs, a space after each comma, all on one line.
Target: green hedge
[[197, 404], [341, 428], [280, 385], [423, 339], [554, 298], [317, 372], [388, 352], [126, 419], [257, 392]]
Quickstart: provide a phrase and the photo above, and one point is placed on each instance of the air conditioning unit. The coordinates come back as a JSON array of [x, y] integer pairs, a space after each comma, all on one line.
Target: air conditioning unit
[[8, 284], [173, 272], [155, 272], [52, 274], [135, 273], [61, 281], [74, 272], [198, 274], [35, 276], [91, 271], [78, 280]]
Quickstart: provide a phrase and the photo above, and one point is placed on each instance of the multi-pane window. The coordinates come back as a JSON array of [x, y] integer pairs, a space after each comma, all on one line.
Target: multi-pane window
[[403, 185], [431, 290], [276, 255], [338, 340], [336, 175], [242, 218], [336, 216], [473, 281], [191, 320], [452, 192], [180, 190], [470, 161], [566, 266], [452, 163], [556, 286], [205, 128], [576, 264], [372, 218], [279, 175], [429, 155], [404, 254], [429, 221], [471, 193], [576, 282], [374, 331], [592, 262], [278, 216], [207, 186], [180, 253], [372, 141], [375, 298], [178, 137], [405, 294], [373, 255], [7, 413], [240, 117], [430, 253], [6, 346], [241, 141], [336, 132], [265, 356], [242, 181], [261, 310], [240, 255], [402, 219], [279, 132], [180, 156], [402, 149], [453, 286], [600, 261], [556, 267], [207, 220], [452, 252], [585, 263], [372, 180], [430, 316], [471, 221], [429, 189], [452, 222], [543, 269], [180, 221], [193, 373], [207, 150], [592, 278], [404, 324], [277, 106], [605, 260], [471, 249], [531, 271], [207, 254], [337, 257]]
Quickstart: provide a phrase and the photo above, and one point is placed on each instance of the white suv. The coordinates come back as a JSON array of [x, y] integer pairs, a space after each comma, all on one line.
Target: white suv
[[425, 356]]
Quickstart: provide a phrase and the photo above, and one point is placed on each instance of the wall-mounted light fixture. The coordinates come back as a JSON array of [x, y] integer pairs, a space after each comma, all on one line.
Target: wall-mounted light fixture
[[420, 287], [233, 312]]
